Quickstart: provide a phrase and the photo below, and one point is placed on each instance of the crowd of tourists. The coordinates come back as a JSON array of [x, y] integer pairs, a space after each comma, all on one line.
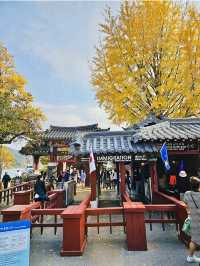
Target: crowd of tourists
[[7, 181], [135, 182], [79, 176], [44, 184]]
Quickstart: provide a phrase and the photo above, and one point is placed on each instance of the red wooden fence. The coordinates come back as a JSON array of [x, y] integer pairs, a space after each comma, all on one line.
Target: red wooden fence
[[6, 195]]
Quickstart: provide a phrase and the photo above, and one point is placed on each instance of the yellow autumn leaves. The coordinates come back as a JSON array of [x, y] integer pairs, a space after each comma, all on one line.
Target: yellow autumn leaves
[[18, 116], [149, 61]]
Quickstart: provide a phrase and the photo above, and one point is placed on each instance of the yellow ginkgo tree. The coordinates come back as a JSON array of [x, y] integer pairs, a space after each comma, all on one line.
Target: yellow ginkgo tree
[[18, 116], [149, 61], [7, 159]]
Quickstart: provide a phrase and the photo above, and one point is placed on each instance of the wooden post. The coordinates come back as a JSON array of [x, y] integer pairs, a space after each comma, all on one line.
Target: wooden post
[[87, 172], [74, 239], [19, 212], [36, 159], [93, 181], [123, 177], [154, 176], [22, 197], [117, 168], [60, 201], [98, 179], [135, 226]]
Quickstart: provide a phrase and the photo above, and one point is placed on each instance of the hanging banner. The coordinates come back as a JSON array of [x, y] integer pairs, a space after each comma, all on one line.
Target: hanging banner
[[180, 146], [15, 243]]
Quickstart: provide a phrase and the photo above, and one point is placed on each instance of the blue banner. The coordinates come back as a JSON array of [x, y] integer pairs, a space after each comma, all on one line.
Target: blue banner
[[164, 156], [15, 243]]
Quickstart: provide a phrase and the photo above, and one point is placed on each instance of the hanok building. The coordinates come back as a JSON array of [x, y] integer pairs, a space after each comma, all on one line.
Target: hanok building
[[182, 137], [55, 143], [133, 148], [140, 145]]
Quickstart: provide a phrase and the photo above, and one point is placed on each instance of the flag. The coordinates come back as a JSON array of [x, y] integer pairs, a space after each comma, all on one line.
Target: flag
[[164, 156], [92, 161], [181, 166]]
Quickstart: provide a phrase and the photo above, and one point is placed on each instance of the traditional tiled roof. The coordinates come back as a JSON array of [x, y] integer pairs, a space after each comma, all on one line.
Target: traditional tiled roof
[[113, 142], [170, 129], [151, 119], [70, 133]]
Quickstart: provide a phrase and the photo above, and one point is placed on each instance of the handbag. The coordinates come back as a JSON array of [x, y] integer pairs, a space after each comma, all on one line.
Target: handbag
[[187, 224]]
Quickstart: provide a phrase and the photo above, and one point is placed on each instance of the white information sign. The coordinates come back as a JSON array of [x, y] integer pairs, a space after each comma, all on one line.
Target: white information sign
[[15, 243]]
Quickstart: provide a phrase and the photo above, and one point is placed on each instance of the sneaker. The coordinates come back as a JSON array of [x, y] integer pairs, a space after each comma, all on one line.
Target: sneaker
[[192, 259]]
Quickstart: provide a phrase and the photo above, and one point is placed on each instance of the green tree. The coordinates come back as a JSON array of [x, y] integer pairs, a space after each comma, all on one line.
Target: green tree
[[18, 116]]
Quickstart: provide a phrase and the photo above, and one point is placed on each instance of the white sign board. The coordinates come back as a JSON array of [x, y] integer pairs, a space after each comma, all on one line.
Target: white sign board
[[15, 243]]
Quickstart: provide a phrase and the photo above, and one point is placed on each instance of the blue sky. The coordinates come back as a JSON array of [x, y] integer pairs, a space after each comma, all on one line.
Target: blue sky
[[52, 44]]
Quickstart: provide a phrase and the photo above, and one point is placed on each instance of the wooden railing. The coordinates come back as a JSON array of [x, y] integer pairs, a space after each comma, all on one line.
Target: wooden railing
[[181, 212], [104, 211], [38, 219], [49, 208], [6, 195], [52, 201], [167, 215]]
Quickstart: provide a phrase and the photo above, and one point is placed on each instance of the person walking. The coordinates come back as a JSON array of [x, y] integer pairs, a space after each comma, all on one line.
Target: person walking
[[192, 199], [40, 190], [183, 183], [5, 180], [66, 176], [82, 178]]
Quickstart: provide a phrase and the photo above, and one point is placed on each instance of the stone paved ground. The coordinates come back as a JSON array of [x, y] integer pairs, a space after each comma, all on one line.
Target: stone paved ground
[[110, 250]]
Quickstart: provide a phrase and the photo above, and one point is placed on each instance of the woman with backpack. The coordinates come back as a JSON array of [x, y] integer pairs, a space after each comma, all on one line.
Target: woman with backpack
[[192, 199]]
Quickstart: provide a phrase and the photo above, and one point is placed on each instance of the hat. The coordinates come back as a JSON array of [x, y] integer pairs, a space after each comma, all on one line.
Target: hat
[[182, 173]]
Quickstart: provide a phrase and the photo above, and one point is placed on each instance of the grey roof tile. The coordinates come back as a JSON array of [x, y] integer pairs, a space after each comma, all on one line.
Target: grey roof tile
[[171, 129], [109, 143], [70, 134]]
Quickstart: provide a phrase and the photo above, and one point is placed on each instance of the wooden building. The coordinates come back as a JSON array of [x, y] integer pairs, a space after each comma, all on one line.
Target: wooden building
[[55, 143], [142, 143], [131, 147]]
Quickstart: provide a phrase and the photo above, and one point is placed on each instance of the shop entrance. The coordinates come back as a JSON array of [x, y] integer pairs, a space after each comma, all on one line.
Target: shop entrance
[[175, 182], [137, 180]]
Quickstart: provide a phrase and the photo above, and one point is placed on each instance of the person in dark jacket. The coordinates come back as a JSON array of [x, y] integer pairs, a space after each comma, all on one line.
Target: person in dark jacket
[[66, 176], [183, 183], [40, 190], [5, 180]]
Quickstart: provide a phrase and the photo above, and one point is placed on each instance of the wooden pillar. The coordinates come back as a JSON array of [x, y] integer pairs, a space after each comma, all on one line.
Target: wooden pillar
[[74, 238], [59, 168], [93, 182], [98, 180], [135, 226], [36, 159], [87, 172], [123, 177], [154, 176], [117, 168]]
